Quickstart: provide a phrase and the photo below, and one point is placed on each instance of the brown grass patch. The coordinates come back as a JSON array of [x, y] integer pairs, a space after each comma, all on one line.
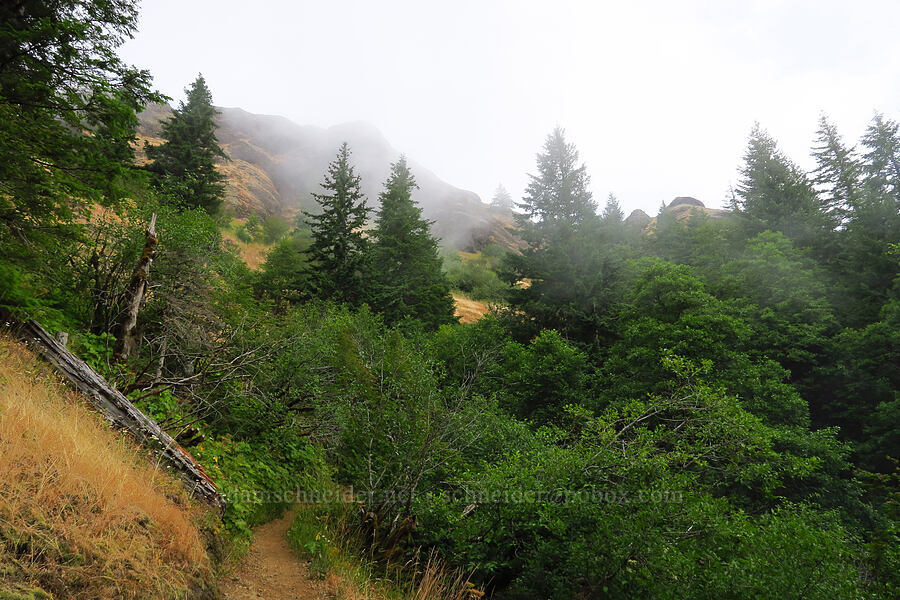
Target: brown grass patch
[[469, 310], [253, 254], [82, 512]]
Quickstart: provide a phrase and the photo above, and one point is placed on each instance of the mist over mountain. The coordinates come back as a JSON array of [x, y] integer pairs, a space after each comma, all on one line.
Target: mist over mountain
[[276, 165]]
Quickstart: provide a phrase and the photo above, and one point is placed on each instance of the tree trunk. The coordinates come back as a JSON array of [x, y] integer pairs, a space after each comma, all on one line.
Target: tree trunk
[[120, 412], [126, 330]]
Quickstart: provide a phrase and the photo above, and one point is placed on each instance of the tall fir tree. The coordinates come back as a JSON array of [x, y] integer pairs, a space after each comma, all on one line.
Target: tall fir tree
[[775, 194], [837, 172], [184, 166], [881, 161], [866, 263], [558, 195], [339, 248], [407, 280], [612, 212], [502, 199], [568, 264]]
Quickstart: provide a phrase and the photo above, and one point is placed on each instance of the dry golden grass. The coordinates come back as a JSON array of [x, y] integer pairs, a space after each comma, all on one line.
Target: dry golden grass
[[82, 512], [253, 254], [469, 310]]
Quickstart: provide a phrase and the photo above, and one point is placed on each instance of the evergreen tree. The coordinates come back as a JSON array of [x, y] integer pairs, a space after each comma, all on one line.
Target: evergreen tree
[[502, 199], [569, 263], [837, 173], [339, 248], [881, 162], [184, 165], [612, 212], [558, 194], [67, 117], [775, 194], [407, 280]]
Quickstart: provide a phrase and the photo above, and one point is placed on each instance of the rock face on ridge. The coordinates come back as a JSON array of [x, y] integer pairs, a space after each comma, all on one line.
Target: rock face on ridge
[[638, 219], [686, 201], [683, 207]]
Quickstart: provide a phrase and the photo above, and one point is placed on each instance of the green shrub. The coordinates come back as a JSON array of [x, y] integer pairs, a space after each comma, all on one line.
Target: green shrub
[[475, 277]]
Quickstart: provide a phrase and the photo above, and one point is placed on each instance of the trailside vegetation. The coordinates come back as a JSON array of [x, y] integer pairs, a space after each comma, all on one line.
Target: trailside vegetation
[[706, 407]]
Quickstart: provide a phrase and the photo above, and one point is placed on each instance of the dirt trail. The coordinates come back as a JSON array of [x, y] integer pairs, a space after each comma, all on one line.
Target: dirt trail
[[271, 570]]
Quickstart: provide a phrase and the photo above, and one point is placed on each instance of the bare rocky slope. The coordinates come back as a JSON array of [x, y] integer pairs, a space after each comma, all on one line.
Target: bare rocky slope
[[275, 165]]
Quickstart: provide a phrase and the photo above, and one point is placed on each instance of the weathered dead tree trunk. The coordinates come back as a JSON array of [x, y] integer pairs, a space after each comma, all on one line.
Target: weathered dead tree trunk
[[126, 329], [119, 411]]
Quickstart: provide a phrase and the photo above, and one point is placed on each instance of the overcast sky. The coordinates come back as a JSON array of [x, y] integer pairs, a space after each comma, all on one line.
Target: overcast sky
[[659, 97]]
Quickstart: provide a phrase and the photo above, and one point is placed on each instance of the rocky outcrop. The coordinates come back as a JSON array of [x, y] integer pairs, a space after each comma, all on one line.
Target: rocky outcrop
[[684, 207], [686, 201], [638, 219]]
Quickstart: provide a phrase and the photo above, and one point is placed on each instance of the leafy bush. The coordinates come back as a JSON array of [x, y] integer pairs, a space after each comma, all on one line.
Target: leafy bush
[[242, 234], [475, 277], [260, 477], [274, 227], [636, 503]]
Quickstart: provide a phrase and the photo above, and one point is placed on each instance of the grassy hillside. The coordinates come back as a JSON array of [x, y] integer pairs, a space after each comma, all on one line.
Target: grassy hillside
[[82, 514]]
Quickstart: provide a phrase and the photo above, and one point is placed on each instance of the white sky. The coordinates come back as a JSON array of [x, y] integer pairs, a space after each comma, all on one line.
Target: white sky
[[658, 96]]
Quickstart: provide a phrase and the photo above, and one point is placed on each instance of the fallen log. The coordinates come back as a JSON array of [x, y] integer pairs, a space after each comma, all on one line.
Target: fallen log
[[119, 411]]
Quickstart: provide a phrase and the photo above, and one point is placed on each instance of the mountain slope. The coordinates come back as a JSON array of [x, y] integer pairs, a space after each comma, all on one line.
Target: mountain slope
[[277, 164]]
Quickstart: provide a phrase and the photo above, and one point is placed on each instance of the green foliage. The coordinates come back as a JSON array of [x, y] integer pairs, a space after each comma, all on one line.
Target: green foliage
[[67, 113], [406, 280], [881, 161], [567, 277], [865, 381], [242, 234], [775, 194], [538, 380], [784, 300], [612, 212], [559, 193], [474, 276], [274, 227], [629, 504], [260, 477], [285, 274], [670, 310], [184, 165], [837, 172], [67, 121], [626, 428], [339, 248], [253, 226], [502, 199]]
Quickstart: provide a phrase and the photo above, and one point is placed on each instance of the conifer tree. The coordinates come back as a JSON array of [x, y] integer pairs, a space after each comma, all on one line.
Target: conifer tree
[[612, 213], [881, 162], [775, 194], [837, 172], [407, 280], [184, 165], [67, 117], [339, 248], [558, 195], [570, 273], [502, 199]]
